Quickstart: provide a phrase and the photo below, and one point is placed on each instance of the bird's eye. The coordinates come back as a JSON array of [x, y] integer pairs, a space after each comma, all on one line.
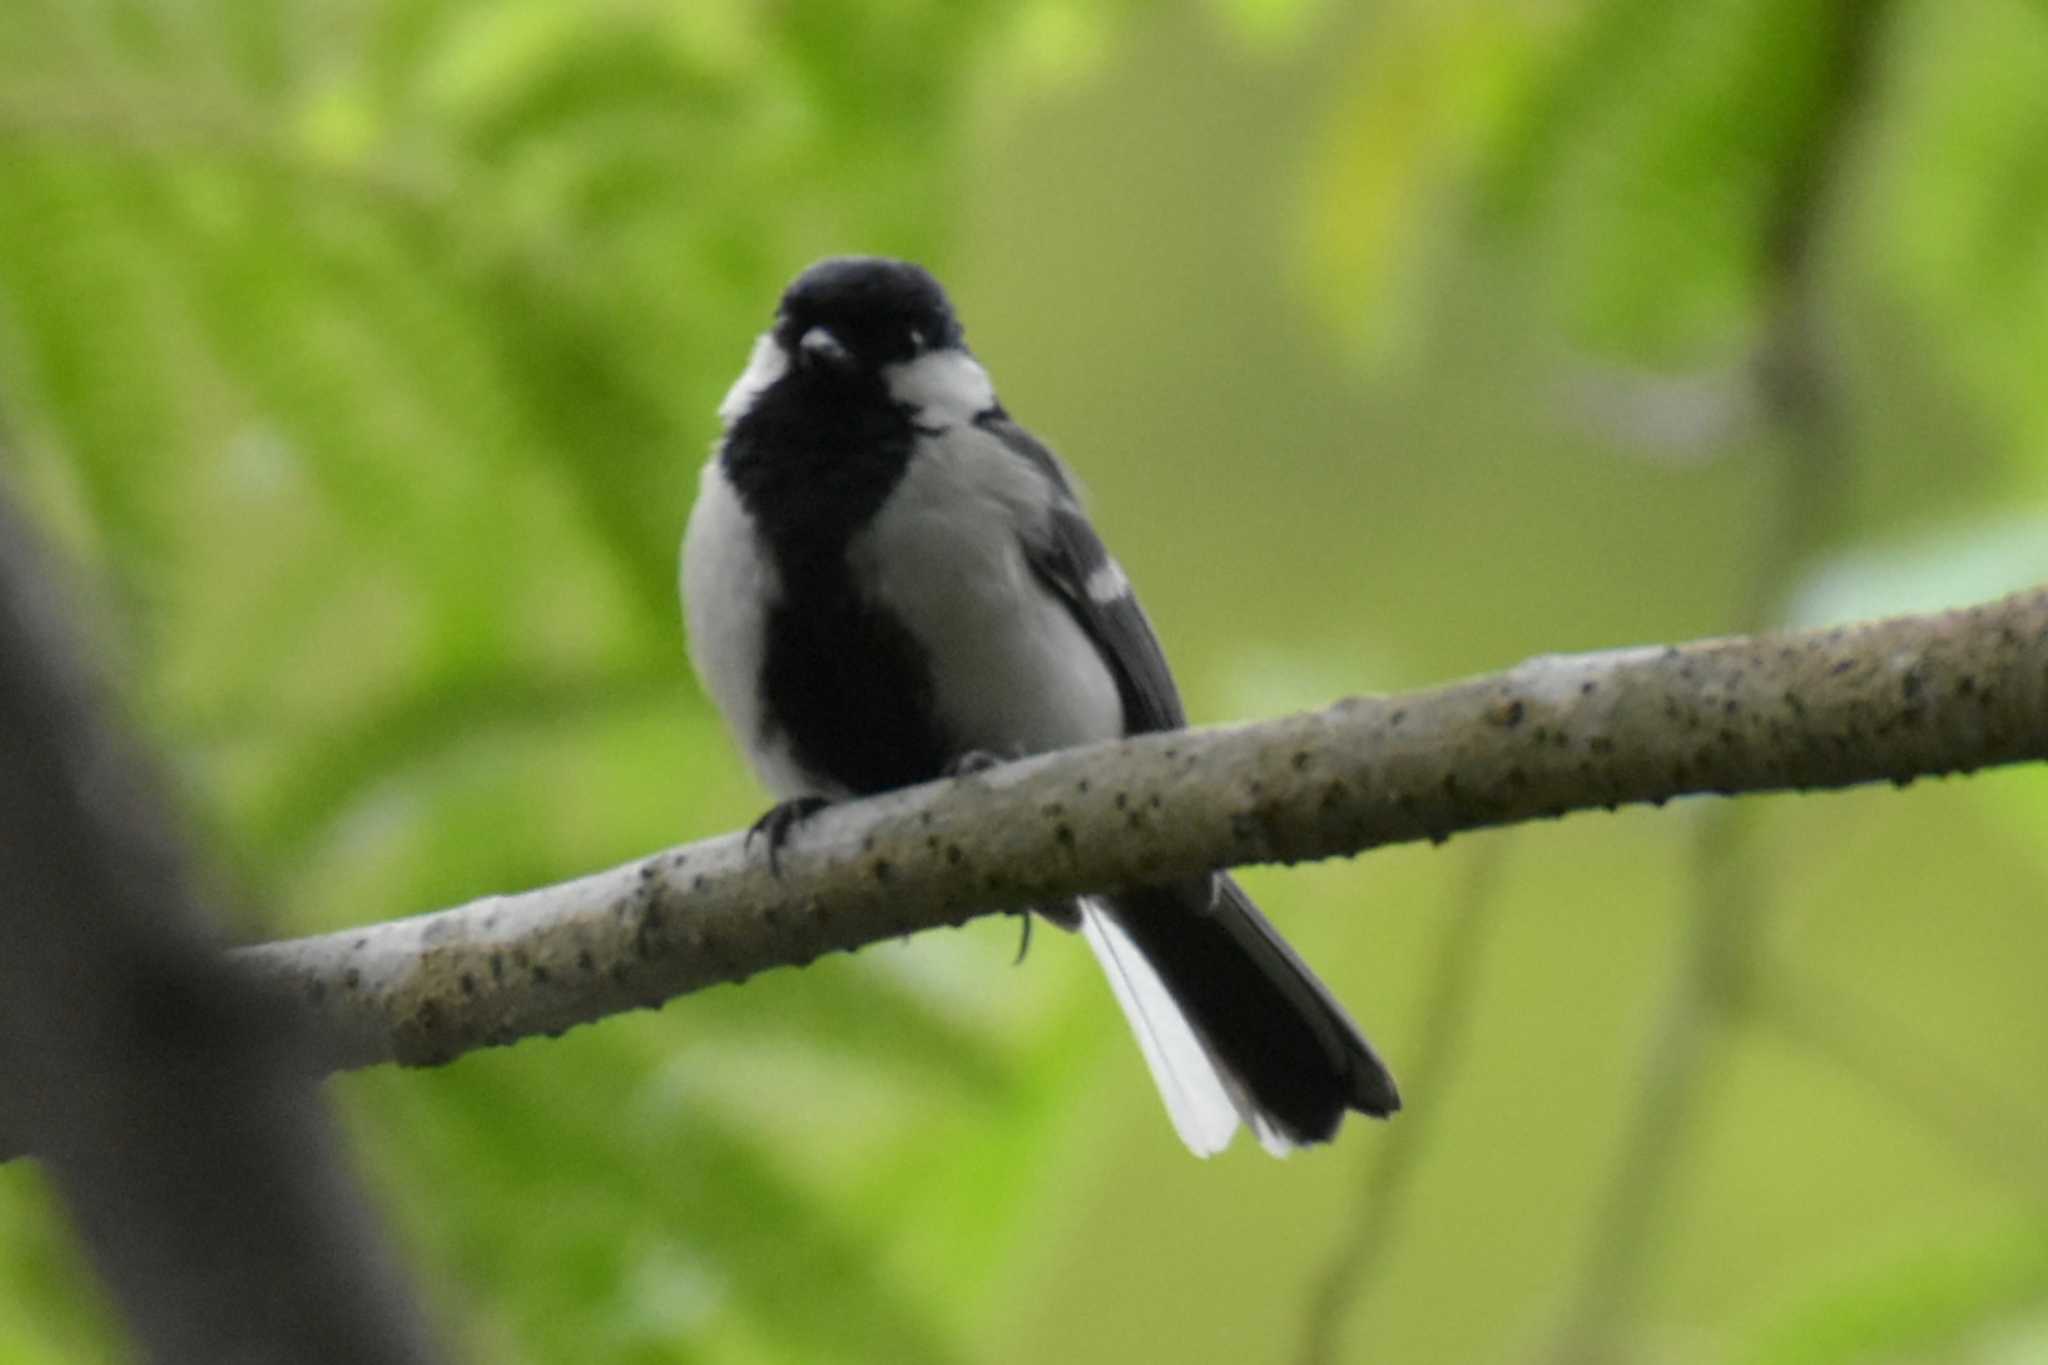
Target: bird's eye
[[818, 344], [916, 339]]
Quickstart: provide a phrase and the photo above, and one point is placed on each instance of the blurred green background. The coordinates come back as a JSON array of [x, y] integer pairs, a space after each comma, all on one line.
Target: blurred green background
[[362, 354]]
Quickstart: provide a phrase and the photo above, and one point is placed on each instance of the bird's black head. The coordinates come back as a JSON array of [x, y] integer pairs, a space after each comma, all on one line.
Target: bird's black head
[[859, 313]]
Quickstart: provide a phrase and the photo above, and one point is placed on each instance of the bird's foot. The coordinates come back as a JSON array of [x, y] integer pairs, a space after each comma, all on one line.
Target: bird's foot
[[779, 822], [967, 765]]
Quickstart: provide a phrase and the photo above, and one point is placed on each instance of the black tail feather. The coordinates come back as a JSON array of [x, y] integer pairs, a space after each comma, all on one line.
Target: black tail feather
[[1275, 1031]]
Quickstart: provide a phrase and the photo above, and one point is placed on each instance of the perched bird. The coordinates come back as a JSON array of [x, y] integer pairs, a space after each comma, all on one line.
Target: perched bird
[[886, 579]]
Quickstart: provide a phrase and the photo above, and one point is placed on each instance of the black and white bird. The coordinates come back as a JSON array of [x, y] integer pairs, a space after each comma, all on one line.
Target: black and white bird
[[884, 576]]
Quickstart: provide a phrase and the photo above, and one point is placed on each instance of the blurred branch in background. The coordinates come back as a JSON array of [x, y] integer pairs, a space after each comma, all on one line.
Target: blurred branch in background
[[1890, 700], [1375, 1224], [1795, 385], [1950, 1098], [168, 1099]]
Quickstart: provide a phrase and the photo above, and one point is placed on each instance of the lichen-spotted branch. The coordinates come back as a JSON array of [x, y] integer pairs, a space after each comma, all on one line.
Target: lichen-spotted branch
[[1891, 700]]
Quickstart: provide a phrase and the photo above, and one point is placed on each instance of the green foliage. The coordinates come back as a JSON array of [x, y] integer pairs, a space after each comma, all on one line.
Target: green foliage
[[1977, 1301], [364, 352]]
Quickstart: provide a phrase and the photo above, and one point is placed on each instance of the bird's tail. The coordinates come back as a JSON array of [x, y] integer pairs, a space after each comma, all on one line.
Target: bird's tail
[[1233, 1025]]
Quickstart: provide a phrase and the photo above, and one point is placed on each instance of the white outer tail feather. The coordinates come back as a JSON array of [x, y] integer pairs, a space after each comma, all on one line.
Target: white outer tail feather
[[1205, 1105]]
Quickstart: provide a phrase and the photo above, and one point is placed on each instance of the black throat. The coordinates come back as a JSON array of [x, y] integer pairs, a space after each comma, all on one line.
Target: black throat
[[845, 683]]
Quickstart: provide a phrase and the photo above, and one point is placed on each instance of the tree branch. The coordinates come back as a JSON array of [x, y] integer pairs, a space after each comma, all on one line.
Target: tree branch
[[1886, 701], [168, 1098]]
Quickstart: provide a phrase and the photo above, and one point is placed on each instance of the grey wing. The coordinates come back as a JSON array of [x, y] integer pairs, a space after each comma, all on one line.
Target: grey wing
[[1071, 560]]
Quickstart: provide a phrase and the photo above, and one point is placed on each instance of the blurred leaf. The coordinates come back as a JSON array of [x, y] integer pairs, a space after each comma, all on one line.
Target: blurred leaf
[[1427, 85], [1955, 1303], [59, 1312], [545, 1183], [415, 732], [1951, 566], [1957, 207], [1650, 202], [1270, 27]]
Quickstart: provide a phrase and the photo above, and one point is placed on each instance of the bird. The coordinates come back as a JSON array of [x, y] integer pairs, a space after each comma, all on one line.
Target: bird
[[887, 580]]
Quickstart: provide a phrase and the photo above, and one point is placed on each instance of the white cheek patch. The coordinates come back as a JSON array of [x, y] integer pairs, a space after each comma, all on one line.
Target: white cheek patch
[[946, 387], [1107, 584], [768, 363]]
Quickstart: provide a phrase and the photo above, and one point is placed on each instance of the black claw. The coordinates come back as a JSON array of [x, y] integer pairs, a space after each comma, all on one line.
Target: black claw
[[1023, 940], [972, 762], [779, 822]]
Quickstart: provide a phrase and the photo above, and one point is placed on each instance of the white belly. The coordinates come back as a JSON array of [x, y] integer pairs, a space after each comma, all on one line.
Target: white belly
[[729, 584]]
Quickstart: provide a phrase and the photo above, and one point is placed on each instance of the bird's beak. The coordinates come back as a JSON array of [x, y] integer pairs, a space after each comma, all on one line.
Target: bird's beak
[[819, 345]]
